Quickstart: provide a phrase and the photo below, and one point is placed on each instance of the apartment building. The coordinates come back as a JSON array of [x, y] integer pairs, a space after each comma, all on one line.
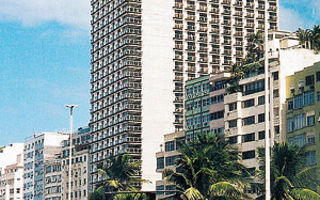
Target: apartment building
[[204, 114], [143, 51], [11, 172], [53, 179], [79, 165], [302, 111], [166, 160], [37, 150], [204, 104], [245, 110]]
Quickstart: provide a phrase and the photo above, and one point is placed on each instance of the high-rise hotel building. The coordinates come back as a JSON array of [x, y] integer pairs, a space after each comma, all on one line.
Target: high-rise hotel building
[[143, 51]]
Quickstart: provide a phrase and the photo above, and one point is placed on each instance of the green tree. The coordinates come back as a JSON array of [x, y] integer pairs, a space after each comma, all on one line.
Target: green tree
[[291, 178], [255, 47], [209, 169], [98, 195]]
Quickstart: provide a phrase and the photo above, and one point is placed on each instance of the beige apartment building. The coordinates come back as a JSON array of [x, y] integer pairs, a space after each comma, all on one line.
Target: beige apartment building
[[245, 111], [142, 52], [80, 166]]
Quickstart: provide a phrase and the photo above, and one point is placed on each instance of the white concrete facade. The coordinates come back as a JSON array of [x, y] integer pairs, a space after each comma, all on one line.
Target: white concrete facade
[[245, 124], [11, 172], [37, 150]]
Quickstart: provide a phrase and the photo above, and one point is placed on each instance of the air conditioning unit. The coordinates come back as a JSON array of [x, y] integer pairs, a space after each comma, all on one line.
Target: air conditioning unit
[[301, 84]]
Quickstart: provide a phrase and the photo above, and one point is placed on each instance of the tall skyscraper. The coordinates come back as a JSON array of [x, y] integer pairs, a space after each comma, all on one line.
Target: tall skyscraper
[[142, 52]]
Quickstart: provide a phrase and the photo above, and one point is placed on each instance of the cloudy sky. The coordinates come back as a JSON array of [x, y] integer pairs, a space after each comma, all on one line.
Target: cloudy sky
[[45, 56]]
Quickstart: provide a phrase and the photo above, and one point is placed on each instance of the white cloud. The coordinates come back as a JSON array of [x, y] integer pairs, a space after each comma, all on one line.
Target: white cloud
[[290, 20], [74, 13]]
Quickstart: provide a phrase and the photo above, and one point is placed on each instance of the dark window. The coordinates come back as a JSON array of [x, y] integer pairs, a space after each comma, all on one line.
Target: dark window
[[251, 171], [248, 121], [232, 123], [277, 129], [249, 137], [311, 139], [290, 105], [275, 75], [169, 146], [310, 80], [318, 76], [310, 120], [233, 140], [170, 160], [248, 103], [160, 188], [311, 157], [217, 115], [261, 100], [160, 163], [261, 135], [232, 106], [252, 88], [248, 155], [275, 93], [261, 118]]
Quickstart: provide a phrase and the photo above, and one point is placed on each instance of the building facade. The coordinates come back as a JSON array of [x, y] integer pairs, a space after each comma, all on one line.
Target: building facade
[[166, 160], [11, 172], [142, 52], [245, 110], [53, 179], [37, 150], [80, 165], [302, 111]]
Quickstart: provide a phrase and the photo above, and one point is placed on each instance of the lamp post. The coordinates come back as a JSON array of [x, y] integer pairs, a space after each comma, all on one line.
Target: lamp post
[[267, 107], [71, 107]]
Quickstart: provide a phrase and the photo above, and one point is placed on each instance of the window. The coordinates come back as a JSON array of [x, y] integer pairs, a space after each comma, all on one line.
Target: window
[[261, 100], [261, 135], [318, 96], [310, 120], [248, 155], [248, 121], [297, 122], [217, 115], [233, 140], [171, 160], [310, 80], [290, 105], [299, 140], [232, 106], [252, 88], [308, 98], [311, 157], [169, 146], [261, 118], [277, 129], [248, 138], [160, 163], [160, 188], [276, 93], [248, 103], [217, 99], [298, 101], [232, 123], [275, 75], [318, 76], [311, 139]]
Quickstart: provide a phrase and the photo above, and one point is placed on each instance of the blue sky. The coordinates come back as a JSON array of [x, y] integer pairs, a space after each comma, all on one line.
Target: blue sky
[[45, 56]]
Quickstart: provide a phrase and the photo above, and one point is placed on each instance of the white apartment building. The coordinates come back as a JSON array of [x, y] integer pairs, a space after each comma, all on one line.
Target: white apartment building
[[245, 111], [142, 52], [11, 172], [37, 150], [80, 166]]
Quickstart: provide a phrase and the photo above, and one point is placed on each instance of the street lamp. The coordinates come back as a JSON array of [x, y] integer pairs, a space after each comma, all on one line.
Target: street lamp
[[71, 107]]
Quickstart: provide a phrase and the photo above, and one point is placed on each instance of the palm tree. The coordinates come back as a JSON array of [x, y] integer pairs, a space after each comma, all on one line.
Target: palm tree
[[208, 169], [315, 34], [121, 173], [255, 47], [291, 178], [98, 195]]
